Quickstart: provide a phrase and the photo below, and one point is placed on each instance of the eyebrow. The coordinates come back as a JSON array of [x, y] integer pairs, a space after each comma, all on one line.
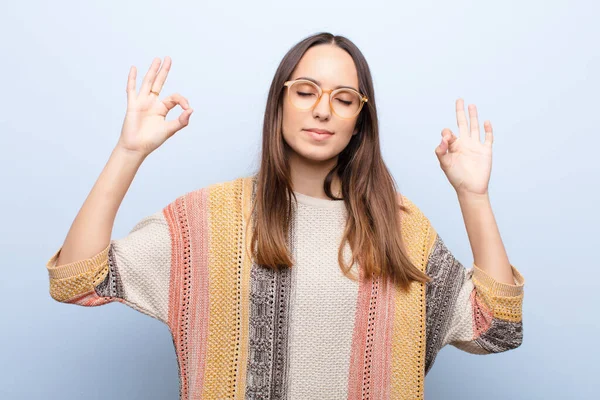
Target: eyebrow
[[319, 83]]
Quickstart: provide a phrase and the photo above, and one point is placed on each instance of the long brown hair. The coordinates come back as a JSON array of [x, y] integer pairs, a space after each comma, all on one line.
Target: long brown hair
[[368, 189]]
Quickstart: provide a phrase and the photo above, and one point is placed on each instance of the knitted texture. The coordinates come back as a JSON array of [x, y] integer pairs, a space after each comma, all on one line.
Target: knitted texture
[[408, 337], [323, 303], [270, 295], [141, 279], [244, 331]]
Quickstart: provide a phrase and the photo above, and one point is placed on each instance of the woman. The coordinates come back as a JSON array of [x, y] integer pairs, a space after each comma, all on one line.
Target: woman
[[258, 279]]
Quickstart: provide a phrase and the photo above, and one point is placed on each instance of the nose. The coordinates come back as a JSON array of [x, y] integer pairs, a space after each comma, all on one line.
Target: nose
[[322, 109]]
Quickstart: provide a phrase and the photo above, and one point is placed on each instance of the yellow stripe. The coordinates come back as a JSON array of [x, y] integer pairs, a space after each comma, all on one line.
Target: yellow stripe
[[246, 266], [228, 277], [505, 301], [408, 338], [69, 281]]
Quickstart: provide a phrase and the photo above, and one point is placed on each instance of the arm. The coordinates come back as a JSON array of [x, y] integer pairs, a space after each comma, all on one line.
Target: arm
[[468, 308], [90, 269], [478, 310], [91, 230], [144, 130], [467, 163], [488, 250]]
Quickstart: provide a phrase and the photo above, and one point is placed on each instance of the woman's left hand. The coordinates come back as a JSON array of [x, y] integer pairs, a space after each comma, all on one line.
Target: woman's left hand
[[466, 161]]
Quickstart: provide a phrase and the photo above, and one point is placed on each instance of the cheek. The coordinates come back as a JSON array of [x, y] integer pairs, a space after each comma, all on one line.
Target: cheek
[[346, 128], [344, 131], [291, 120]]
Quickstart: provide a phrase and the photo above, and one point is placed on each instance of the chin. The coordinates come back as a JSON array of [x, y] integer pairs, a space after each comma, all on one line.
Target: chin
[[315, 154]]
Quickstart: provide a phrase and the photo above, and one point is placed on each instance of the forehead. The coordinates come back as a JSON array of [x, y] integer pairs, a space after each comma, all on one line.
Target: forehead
[[329, 65]]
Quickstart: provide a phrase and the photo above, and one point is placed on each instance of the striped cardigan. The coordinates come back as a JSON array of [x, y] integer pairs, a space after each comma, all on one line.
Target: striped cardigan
[[187, 266]]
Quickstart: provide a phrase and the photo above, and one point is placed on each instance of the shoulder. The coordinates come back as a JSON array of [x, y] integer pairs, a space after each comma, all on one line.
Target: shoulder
[[225, 187], [416, 228], [409, 211], [223, 193], [411, 207]]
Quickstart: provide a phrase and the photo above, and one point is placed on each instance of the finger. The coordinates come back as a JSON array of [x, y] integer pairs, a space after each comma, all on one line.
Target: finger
[[179, 123], [441, 149], [449, 136], [474, 122], [131, 82], [162, 75], [489, 133], [175, 99], [150, 76], [461, 118]]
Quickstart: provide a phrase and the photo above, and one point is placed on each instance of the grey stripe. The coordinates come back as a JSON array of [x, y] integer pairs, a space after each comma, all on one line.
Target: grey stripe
[[447, 275], [281, 328], [501, 336], [112, 285], [261, 334], [267, 368]]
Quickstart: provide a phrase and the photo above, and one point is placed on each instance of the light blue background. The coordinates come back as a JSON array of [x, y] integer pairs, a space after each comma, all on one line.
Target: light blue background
[[531, 67]]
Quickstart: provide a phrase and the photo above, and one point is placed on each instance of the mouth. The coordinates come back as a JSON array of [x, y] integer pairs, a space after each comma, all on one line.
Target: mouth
[[319, 134]]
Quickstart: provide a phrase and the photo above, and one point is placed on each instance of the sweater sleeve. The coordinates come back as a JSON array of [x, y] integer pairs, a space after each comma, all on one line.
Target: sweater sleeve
[[469, 309], [134, 270]]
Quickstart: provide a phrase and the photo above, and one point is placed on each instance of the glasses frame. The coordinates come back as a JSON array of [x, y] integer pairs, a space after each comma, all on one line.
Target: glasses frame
[[332, 92]]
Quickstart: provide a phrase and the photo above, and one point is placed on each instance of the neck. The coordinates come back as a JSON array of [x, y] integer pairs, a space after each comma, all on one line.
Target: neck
[[308, 176]]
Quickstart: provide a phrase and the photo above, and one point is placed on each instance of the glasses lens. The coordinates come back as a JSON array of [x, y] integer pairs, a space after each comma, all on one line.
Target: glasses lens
[[304, 94], [345, 103]]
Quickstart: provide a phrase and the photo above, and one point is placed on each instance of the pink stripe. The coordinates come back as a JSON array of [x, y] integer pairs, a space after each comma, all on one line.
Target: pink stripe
[[188, 292], [199, 311], [178, 287], [382, 347], [359, 338], [482, 316], [91, 299], [370, 360]]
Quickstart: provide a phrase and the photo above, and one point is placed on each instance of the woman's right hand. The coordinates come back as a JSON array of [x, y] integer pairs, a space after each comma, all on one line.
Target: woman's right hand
[[145, 127]]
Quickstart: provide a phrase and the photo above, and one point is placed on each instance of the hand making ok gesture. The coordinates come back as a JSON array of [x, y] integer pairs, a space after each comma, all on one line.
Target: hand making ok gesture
[[466, 161], [145, 127]]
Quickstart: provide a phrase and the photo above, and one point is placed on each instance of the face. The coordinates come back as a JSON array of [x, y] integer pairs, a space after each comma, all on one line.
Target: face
[[331, 67]]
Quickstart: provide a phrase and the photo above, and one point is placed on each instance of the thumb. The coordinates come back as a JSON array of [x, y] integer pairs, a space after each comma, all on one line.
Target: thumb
[[179, 123]]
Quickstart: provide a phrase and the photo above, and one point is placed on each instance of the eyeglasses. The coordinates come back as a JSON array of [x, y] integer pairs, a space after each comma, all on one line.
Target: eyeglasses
[[344, 102]]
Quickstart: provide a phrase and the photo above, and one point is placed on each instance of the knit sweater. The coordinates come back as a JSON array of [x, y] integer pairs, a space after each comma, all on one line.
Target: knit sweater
[[244, 331]]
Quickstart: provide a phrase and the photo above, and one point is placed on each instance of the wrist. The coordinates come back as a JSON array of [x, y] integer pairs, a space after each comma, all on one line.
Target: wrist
[[129, 155], [473, 198]]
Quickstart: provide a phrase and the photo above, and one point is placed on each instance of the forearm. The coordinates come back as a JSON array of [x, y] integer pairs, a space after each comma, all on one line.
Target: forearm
[[91, 230], [488, 250]]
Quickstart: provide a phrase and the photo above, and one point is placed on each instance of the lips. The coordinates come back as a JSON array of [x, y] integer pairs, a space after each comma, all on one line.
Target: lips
[[320, 131], [319, 135]]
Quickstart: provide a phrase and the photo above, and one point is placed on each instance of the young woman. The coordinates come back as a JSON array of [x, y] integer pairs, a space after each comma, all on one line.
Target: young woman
[[313, 278]]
